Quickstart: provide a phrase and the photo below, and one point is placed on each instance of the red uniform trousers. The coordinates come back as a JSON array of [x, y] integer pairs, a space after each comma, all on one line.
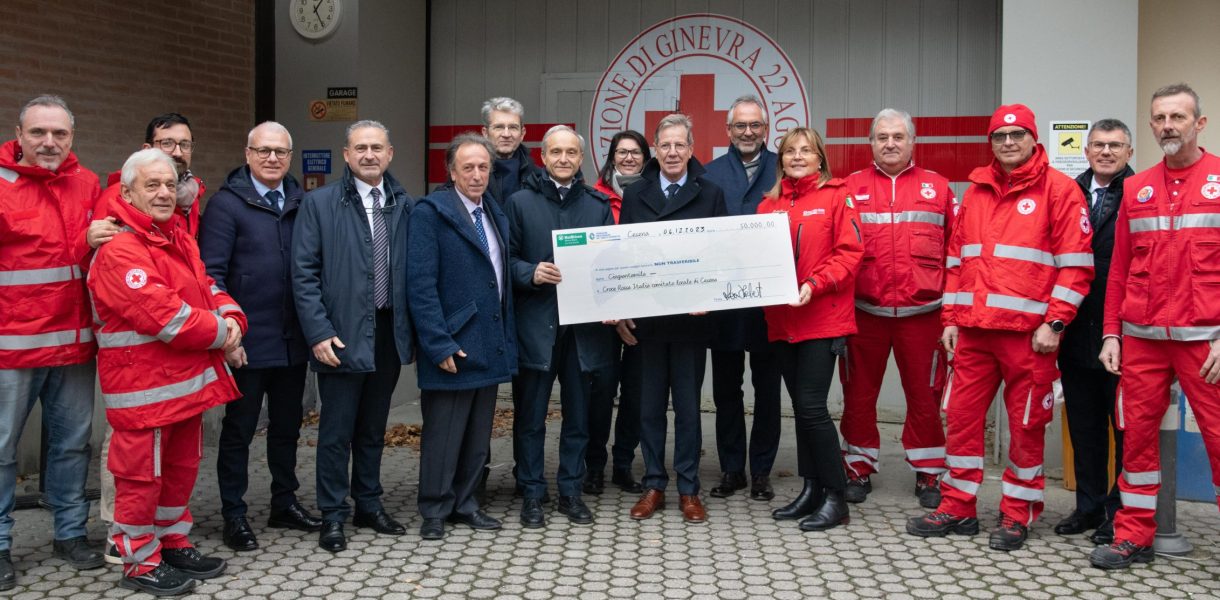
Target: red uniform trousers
[[1143, 395], [984, 358], [154, 474], [921, 364]]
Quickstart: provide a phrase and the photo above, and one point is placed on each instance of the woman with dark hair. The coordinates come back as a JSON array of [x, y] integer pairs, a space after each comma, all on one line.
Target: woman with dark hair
[[811, 331], [624, 162]]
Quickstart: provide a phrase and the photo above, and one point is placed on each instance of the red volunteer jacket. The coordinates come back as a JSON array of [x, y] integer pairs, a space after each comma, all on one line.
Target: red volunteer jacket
[[906, 221], [1021, 253], [1165, 270], [161, 325], [827, 246], [616, 201], [44, 309]]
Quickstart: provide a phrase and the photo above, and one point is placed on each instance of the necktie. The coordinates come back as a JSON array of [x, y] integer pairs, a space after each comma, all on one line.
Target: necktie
[[1095, 214], [381, 259], [477, 215], [273, 198], [563, 192], [672, 191]]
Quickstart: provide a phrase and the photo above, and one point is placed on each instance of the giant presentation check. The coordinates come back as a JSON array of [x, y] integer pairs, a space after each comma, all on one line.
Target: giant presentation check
[[673, 267]]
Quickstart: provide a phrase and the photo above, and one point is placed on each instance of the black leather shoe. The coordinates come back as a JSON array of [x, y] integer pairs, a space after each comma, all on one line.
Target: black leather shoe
[[1008, 535], [575, 510], [331, 538], [623, 479], [8, 575], [432, 529], [192, 563], [832, 513], [1104, 536], [729, 483], [478, 520], [809, 500], [532, 516], [379, 521], [760, 488], [293, 517], [1079, 522], [78, 553], [161, 581], [595, 483], [238, 535]]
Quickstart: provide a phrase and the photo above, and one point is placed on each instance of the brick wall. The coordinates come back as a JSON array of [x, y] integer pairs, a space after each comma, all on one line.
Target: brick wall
[[118, 63]]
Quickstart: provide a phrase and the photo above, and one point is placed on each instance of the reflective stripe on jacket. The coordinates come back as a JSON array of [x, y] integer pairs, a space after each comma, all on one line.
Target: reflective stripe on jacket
[[1021, 253], [44, 309], [161, 325], [1165, 270], [906, 221]]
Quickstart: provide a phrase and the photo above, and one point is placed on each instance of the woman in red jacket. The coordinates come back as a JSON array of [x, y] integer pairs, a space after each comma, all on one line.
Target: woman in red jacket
[[810, 332], [624, 163]]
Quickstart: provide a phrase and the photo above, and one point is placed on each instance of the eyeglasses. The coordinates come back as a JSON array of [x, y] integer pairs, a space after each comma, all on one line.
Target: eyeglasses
[[806, 151], [742, 127], [1017, 137], [1103, 146], [501, 128], [264, 153], [168, 145], [678, 147], [624, 153]]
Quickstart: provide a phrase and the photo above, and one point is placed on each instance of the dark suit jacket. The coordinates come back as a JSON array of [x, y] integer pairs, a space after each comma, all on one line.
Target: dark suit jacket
[[533, 213], [453, 296], [644, 202], [1082, 340]]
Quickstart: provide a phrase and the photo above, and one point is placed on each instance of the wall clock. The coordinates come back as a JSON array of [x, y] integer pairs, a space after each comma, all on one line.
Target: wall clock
[[314, 19]]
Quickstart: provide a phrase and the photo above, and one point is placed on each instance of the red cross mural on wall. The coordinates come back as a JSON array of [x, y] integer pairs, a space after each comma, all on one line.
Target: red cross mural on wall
[[697, 100]]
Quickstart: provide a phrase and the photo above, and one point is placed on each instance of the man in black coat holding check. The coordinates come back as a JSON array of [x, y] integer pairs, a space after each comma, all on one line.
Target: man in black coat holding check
[[573, 353], [673, 348]]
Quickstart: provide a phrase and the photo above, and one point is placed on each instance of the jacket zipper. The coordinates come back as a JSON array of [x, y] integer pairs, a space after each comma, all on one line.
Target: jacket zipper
[[797, 256]]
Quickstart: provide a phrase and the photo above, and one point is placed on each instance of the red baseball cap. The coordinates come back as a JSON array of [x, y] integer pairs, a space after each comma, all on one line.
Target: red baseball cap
[[1013, 114]]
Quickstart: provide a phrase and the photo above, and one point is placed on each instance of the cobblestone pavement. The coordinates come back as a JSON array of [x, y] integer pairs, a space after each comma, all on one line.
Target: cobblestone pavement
[[740, 553]]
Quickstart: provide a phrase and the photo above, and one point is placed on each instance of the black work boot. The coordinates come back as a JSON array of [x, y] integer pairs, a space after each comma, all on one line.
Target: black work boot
[[8, 575], [161, 581], [940, 524], [191, 562], [1008, 535], [78, 553], [858, 489], [809, 500], [1120, 555]]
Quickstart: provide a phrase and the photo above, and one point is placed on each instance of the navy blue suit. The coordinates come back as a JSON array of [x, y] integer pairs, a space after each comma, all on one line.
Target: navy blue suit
[[456, 304], [744, 330], [673, 348]]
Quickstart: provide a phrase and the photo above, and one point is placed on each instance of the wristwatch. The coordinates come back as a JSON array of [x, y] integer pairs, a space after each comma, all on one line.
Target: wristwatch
[[1057, 326]]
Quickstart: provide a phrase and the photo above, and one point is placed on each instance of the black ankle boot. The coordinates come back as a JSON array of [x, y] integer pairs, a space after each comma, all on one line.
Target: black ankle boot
[[833, 513], [807, 502]]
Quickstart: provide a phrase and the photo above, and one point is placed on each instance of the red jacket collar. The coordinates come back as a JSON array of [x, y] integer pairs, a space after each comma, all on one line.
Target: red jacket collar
[[10, 154], [141, 223], [1029, 173]]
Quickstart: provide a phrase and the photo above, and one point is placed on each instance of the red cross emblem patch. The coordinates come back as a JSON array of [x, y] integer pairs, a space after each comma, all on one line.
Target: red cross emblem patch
[[136, 279]]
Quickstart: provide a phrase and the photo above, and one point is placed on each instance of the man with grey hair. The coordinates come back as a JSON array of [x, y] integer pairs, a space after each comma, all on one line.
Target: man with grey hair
[[906, 217], [462, 305], [546, 349], [245, 240], [504, 126], [349, 260], [1162, 316], [745, 172], [1088, 390], [673, 348], [47, 351]]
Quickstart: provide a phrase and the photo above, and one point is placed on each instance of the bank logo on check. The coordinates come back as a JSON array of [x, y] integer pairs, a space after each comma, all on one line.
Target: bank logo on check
[[564, 240]]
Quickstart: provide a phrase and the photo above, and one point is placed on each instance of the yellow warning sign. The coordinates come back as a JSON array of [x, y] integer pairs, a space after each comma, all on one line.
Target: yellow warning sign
[[340, 109], [1071, 143]]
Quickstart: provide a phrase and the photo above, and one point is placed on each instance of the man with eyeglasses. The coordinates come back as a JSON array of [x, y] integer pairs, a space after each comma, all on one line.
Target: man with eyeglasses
[[1088, 390], [504, 126], [745, 172], [245, 239], [673, 348], [349, 252], [1020, 263], [906, 218], [1162, 315]]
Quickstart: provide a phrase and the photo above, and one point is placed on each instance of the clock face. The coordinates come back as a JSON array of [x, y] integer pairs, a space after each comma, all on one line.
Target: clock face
[[314, 19]]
